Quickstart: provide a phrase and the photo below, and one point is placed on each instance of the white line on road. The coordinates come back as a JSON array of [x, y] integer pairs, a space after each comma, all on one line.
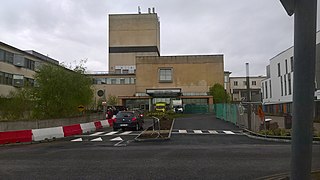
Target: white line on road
[[111, 133], [228, 132], [77, 140], [116, 139], [183, 131], [96, 134], [197, 131], [213, 132], [126, 133], [97, 139]]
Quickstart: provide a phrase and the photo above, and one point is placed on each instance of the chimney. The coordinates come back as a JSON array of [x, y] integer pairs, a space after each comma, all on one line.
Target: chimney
[[153, 10], [149, 10], [139, 10]]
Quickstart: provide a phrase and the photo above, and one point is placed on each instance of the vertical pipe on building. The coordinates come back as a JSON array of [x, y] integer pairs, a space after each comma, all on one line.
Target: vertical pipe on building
[[303, 87], [248, 96]]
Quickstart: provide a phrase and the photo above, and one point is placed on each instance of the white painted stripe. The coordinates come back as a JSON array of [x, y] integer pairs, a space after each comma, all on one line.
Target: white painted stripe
[[183, 131], [228, 132], [97, 139], [116, 139], [77, 140], [126, 133], [197, 131], [213, 132], [111, 133], [96, 134]]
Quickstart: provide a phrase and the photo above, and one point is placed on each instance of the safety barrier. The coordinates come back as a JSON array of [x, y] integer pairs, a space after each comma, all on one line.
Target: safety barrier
[[15, 136], [72, 130], [88, 127], [105, 123], [47, 133], [98, 125]]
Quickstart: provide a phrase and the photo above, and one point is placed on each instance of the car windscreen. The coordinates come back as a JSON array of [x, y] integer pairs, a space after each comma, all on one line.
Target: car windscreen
[[125, 114]]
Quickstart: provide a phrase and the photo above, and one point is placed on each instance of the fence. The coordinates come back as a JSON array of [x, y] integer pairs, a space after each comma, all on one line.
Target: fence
[[198, 108]]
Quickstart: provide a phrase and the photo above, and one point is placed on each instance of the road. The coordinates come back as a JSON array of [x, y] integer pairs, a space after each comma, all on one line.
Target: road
[[201, 147]]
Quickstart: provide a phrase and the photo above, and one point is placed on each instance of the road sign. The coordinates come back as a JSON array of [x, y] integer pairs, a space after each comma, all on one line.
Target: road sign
[[260, 112], [81, 108]]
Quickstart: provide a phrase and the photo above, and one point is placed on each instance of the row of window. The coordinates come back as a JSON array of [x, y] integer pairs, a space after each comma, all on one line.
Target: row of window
[[285, 86], [286, 66], [15, 80], [253, 83], [114, 80], [16, 59]]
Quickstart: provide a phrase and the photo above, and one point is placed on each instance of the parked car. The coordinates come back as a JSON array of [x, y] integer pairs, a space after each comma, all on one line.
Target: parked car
[[128, 119]]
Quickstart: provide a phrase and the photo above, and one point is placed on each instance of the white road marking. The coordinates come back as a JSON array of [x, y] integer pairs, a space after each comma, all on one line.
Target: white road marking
[[97, 139], [197, 131], [77, 140], [183, 131], [228, 132], [213, 132], [111, 133], [116, 139], [126, 133], [96, 134]]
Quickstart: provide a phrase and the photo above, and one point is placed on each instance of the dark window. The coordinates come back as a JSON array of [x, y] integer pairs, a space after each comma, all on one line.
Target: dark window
[[289, 83], [281, 86], [8, 57], [270, 89], [8, 78], [1, 77], [266, 86], [2, 55], [254, 83], [286, 63], [279, 71], [285, 84], [262, 89], [235, 83], [29, 64], [291, 61]]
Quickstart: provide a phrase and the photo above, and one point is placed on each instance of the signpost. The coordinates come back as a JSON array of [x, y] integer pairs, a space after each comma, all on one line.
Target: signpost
[[81, 108], [305, 18]]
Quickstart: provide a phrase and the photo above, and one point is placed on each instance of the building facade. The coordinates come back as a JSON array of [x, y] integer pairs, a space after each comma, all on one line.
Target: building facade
[[238, 88], [140, 77], [277, 88], [18, 67]]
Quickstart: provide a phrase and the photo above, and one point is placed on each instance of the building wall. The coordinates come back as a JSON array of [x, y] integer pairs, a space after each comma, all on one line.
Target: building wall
[[27, 71], [238, 87], [131, 35], [193, 74]]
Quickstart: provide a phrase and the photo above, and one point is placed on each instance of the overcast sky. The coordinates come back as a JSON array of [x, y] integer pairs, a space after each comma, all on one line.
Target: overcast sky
[[251, 31]]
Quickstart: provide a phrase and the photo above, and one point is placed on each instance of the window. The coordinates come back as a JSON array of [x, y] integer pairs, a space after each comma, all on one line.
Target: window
[[262, 90], [2, 55], [279, 72], [286, 63], [29, 64], [18, 80], [254, 83], [1, 77], [281, 86], [8, 78], [113, 81], [8, 57], [285, 84], [122, 81], [235, 83], [270, 89], [165, 75], [266, 86], [289, 83], [291, 62], [125, 71]]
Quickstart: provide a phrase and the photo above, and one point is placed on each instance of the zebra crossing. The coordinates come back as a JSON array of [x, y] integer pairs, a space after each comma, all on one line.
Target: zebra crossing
[[198, 131]]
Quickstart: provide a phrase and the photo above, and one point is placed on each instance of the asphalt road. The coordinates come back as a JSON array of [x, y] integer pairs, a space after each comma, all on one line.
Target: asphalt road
[[188, 155]]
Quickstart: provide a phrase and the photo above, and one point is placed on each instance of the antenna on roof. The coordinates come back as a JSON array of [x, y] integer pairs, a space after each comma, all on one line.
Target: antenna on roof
[[153, 10], [139, 10], [149, 10]]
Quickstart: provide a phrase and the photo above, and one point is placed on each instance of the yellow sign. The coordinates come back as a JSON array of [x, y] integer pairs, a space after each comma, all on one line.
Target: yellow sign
[[81, 108]]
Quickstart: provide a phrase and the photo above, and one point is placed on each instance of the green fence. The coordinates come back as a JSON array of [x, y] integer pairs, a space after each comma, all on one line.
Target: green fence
[[198, 108], [227, 112]]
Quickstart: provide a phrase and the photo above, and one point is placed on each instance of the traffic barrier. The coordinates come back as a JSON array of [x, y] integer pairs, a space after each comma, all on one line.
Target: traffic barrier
[[15, 136], [47, 133], [98, 125], [72, 130], [88, 127], [110, 121], [105, 123]]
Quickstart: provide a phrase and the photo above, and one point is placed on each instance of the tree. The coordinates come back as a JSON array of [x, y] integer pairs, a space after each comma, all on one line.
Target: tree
[[60, 91], [112, 100], [219, 94]]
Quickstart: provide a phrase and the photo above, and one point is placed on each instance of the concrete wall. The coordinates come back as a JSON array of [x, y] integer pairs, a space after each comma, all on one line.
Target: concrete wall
[[24, 125], [190, 73]]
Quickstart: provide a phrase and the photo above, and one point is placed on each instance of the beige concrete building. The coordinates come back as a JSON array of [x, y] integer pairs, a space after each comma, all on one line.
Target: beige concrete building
[[17, 67], [134, 53], [238, 88]]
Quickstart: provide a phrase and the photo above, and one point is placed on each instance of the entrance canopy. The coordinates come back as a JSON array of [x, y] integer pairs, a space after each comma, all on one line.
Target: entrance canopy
[[170, 92]]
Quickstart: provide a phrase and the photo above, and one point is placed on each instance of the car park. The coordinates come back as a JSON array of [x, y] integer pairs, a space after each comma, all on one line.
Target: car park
[[128, 120]]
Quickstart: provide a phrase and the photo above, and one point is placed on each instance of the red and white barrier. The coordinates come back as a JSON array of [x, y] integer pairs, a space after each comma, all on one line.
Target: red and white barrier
[[52, 133], [47, 133]]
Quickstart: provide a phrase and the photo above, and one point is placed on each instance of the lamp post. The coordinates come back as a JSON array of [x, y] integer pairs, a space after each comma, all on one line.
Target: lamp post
[[248, 96], [303, 86]]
